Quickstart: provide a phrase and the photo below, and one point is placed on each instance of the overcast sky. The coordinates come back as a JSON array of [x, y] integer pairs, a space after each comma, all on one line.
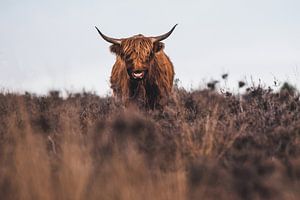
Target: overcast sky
[[52, 44]]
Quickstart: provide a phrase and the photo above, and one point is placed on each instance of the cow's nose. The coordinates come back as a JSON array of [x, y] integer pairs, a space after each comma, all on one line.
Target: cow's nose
[[141, 68], [138, 69]]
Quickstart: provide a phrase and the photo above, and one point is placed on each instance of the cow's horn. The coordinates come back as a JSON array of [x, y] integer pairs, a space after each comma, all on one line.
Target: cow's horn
[[164, 36], [109, 39]]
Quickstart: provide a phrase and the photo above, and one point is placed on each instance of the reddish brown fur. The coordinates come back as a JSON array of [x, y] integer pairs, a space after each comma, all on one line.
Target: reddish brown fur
[[140, 53]]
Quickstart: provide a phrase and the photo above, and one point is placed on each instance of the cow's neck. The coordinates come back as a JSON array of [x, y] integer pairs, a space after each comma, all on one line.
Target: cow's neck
[[136, 89]]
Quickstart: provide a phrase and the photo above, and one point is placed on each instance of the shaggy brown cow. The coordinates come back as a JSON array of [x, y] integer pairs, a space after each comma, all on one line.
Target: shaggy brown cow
[[142, 71]]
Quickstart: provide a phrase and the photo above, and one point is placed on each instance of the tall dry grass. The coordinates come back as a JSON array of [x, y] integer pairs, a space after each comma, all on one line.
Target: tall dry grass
[[203, 145]]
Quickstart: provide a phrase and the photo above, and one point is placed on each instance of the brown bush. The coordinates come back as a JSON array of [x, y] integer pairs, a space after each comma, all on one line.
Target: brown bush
[[203, 145]]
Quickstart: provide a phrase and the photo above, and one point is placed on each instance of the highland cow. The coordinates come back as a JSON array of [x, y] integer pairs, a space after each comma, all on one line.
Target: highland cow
[[142, 73]]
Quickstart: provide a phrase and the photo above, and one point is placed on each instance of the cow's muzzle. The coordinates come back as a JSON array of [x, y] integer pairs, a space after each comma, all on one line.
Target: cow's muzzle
[[138, 74]]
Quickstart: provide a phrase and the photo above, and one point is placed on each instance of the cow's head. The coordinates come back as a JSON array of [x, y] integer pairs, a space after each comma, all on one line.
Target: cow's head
[[137, 52]]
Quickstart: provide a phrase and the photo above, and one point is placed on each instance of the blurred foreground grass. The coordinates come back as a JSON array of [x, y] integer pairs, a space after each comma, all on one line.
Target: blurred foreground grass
[[203, 145]]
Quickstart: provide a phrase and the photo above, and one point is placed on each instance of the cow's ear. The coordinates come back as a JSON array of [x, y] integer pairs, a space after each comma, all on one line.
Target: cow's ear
[[115, 48], [158, 46]]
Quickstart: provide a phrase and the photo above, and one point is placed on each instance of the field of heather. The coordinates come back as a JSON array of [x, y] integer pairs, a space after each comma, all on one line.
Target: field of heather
[[203, 145]]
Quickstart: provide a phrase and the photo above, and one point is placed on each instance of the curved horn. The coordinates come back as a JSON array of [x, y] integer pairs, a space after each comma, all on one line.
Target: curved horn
[[164, 36], [109, 39]]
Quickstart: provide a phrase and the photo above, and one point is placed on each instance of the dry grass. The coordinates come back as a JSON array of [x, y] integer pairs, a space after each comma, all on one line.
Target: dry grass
[[204, 145]]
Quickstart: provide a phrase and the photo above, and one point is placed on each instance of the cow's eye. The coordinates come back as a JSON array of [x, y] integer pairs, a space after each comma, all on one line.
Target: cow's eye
[[127, 57]]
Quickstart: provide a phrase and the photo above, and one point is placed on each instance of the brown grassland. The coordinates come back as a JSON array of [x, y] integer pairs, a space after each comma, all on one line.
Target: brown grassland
[[203, 145]]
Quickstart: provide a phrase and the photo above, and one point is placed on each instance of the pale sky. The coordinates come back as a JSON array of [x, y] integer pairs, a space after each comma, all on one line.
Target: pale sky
[[52, 44]]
